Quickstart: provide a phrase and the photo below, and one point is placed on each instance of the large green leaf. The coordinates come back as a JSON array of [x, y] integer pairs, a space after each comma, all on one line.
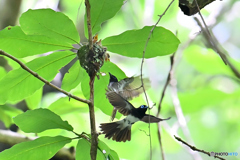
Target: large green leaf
[[38, 120], [112, 68], [50, 23], [42, 148], [65, 106], [34, 100], [15, 42], [131, 43], [102, 10], [19, 84], [7, 113], [83, 151], [73, 77]]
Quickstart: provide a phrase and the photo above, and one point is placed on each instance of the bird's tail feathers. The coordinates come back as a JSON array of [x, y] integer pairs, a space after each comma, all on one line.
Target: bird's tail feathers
[[116, 132]]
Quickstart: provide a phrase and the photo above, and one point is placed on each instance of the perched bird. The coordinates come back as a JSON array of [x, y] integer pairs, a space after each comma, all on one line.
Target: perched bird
[[121, 130], [127, 88]]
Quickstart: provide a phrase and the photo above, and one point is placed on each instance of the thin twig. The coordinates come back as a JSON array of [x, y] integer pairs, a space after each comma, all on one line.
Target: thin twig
[[42, 79], [144, 51], [160, 103], [196, 149], [212, 42], [181, 119], [94, 134], [223, 56]]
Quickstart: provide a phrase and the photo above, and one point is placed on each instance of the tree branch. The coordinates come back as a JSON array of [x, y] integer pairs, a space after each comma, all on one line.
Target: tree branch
[[94, 135], [12, 138], [42, 79], [88, 9], [196, 149], [213, 42]]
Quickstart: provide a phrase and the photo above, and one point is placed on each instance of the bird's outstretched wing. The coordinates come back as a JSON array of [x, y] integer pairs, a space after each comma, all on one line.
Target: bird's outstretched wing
[[132, 87], [122, 105], [153, 119]]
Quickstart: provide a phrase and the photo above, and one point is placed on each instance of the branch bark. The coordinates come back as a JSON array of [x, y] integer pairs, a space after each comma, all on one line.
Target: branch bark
[[94, 135], [42, 79]]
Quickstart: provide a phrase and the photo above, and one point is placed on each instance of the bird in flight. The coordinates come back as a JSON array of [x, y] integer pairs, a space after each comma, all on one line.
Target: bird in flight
[[127, 88], [120, 131]]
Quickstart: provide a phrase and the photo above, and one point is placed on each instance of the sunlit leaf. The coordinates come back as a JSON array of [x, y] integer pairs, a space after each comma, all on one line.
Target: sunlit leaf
[[112, 68], [34, 100], [73, 77], [101, 10], [131, 43], [83, 151], [104, 148], [113, 155], [15, 42], [38, 120], [18, 84], [50, 23], [42, 148], [65, 106]]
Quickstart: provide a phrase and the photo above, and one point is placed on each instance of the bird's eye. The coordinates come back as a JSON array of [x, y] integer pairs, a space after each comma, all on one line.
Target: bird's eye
[[143, 106]]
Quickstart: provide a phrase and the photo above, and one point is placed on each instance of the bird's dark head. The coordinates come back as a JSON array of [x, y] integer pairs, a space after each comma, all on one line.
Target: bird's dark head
[[140, 111], [112, 78], [143, 108]]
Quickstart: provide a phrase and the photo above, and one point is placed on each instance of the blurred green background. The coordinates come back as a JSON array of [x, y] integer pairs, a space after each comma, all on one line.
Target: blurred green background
[[208, 91]]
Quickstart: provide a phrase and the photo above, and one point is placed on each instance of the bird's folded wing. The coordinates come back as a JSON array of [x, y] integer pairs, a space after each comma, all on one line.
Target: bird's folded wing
[[153, 119], [122, 105]]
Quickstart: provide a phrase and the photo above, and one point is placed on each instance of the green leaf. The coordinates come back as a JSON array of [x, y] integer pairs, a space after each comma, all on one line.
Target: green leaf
[[101, 10], [59, 106], [113, 155], [131, 43], [27, 45], [113, 69], [7, 112], [34, 100], [83, 151], [73, 77], [38, 120], [19, 84], [104, 148], [42, 148], [49, 23], [2, 72]]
